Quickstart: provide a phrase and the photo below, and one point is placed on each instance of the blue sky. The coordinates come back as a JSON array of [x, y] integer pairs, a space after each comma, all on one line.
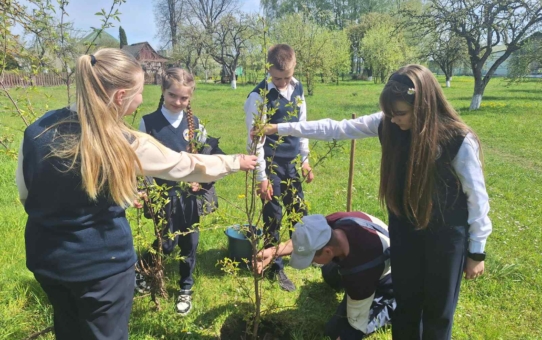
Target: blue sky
[[137, 17]]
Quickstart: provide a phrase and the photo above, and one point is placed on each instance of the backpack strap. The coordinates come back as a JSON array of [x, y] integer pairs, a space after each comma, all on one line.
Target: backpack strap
[[363, 223], [371, 264], [371, 226]]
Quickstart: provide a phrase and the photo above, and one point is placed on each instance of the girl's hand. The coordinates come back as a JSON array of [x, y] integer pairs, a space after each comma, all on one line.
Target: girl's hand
[[137, 202], [270, 129], [267, 129], [473, 269], [195, 186], [247, 162]]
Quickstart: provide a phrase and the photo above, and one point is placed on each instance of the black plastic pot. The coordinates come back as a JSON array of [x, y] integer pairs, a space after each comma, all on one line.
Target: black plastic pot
[[239, 247]]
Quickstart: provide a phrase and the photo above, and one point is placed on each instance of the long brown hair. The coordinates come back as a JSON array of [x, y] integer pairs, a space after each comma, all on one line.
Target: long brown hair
[[184, 78], [102, 150], [434, 124]]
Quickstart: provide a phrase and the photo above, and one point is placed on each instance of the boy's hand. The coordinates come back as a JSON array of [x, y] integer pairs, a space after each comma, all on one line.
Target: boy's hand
[[307, 173], [473, 269], [195, 186], [264, 257], [266, 190]]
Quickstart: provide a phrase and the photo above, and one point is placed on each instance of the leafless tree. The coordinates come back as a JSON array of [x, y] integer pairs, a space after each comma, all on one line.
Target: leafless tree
[[168, 14], [192, 45], [445, 49], [209, 12], [229, 37]]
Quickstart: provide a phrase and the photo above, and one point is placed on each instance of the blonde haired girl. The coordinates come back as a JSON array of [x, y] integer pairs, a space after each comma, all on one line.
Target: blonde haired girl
[[76, 175]]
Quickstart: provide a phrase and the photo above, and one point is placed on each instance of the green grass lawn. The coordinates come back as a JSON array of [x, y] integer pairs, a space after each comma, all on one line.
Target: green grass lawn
[[503, 304]]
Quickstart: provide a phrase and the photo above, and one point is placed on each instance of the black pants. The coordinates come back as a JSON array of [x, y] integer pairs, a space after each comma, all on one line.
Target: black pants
[[93, 310], [427, 270], [181, 214], [286, 187], [380, 313]]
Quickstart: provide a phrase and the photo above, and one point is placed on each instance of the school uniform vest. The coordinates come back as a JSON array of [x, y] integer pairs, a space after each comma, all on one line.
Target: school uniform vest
[[288, 149], [449, 200], [68, 236], [174, 138]]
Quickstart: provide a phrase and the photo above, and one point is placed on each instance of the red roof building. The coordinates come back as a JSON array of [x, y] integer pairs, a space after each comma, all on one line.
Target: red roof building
[[153, 63]]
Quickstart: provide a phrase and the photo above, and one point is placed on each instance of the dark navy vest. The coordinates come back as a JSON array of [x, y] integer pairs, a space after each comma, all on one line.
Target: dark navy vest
[[68, 237], [174, 138], [288, 149], [449, 200]]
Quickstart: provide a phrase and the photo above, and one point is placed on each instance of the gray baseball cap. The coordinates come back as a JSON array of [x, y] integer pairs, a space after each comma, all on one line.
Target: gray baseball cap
[[310, 235]]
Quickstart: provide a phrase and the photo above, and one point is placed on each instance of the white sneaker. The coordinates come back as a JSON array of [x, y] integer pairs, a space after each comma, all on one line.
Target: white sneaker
[[141, 285], [184, 302]]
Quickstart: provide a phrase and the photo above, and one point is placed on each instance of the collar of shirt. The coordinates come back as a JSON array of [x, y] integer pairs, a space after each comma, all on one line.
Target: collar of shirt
[[172, 117], [285, 93]]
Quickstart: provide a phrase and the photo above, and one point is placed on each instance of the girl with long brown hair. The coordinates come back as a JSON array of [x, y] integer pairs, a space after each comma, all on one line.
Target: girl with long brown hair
[[174, 125], [76, 176], [433, 186]]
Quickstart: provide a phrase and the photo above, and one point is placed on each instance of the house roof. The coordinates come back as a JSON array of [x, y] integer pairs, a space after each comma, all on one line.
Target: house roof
[[135, 49]]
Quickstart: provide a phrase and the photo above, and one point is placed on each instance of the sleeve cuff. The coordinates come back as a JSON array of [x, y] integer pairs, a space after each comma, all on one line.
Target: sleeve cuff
[[261, 176], [476, 247], [235, 165]]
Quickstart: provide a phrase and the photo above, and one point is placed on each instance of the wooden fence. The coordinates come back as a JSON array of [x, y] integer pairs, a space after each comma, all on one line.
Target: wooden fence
[[10, 79], [21, 79]]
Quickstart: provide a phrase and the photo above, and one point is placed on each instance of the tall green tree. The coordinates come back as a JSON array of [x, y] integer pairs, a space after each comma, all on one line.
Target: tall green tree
[[355, 35], [122, 37], [319, 50], [383, 47], [337, 61], [336, 14]]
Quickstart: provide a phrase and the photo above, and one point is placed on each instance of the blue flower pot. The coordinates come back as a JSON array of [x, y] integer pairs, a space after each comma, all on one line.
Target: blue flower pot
[[239, 247]]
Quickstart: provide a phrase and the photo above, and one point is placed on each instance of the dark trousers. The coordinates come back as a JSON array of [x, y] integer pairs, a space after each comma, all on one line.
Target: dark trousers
[[287, 188], [93, 310], [427, 271], [181, 214], [380, 313]]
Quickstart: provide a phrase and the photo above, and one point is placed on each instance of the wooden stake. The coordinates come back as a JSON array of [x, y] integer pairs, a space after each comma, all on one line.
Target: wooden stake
[[351, 173]]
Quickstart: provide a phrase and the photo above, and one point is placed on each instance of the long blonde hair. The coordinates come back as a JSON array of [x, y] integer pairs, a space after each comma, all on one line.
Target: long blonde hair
[[102, 151], [435, 123]]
